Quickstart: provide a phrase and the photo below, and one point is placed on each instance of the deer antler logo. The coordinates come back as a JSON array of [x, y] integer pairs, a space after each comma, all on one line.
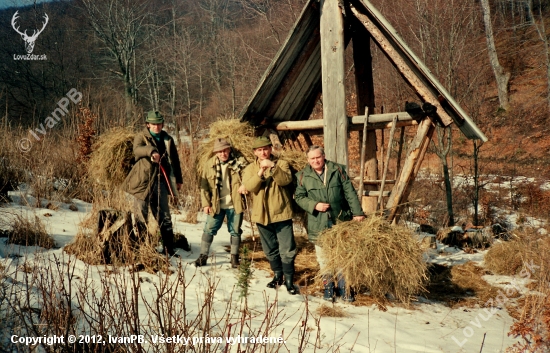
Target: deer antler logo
[[29, 40]]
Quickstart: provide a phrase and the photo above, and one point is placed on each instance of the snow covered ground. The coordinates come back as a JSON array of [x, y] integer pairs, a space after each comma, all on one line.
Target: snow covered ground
[[425, 327]]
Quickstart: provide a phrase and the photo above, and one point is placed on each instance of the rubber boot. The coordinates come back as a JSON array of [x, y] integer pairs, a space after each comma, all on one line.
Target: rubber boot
[[277, 280], [288, 270], [277, 268], [345, 295], [201, 261], [167, 236], [328, 293], [206, 242], [235, 244]]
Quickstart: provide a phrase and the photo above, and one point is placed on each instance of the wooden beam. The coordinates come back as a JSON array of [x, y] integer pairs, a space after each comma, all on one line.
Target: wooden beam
[[403, 65], [375, 119], [376, 193], [333, 80], [408, 172], [386, 163], [373, 182], [307, 138], [274, 137]]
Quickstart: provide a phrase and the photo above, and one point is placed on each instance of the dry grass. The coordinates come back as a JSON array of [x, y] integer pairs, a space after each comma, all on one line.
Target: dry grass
[[30, 233], [509, 258], [240, 136], [110, 161], [297, 160], [384, 258], [331, 311]]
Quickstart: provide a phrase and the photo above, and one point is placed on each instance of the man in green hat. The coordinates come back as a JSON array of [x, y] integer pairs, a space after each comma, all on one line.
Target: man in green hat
[[155, 175], [267, 179]]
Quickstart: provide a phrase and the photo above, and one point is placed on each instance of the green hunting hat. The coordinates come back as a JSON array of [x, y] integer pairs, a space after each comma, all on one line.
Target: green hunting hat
[[261, 141], [154, 117]]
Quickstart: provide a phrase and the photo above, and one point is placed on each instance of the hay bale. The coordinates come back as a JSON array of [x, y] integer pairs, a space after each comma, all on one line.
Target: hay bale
[[112, 157], [297, 160], [385, 258], [506, 258], [240, 135]]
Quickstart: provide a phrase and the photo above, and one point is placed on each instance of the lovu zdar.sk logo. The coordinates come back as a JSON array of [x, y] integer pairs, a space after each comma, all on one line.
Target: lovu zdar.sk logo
[[29, 40]]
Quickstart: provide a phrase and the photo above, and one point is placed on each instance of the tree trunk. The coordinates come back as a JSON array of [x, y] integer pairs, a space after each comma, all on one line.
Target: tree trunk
[[541, 30], [502, 78], [442, 152]]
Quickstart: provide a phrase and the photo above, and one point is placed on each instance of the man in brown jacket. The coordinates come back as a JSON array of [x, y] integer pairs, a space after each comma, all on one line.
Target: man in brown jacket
[[268, 179], [155, 175], [221, 197]]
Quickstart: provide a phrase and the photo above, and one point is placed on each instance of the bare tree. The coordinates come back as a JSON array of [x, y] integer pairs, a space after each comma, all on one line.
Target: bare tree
[[502, 77], [120, 26], [538, 23]]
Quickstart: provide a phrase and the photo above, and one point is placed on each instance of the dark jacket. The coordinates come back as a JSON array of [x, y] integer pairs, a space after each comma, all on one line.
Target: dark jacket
[[209, 190], [144, 172], [338, 192], [271, 196]]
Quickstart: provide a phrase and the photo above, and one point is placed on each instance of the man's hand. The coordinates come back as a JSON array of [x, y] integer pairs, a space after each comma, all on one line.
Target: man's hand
[[155, 157], [358, 218], [266, 164], [207, 210], [242, 190], [322, 207]]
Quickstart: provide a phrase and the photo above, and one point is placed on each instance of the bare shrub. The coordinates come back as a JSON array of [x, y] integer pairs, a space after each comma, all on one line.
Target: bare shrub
[[30, 233]]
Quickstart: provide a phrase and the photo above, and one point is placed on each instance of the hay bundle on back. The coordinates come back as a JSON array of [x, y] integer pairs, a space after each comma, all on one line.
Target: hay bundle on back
[[297, 160], [112, 157], [240, 135], [372, 253]]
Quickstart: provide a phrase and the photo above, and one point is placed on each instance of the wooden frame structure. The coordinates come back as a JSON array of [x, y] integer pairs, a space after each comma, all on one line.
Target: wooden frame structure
[[311, 62]]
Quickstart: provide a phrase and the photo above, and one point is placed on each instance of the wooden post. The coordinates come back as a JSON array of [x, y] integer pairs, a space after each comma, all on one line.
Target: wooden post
[[399, 152], [363, 152], [364, 88], [335, 126], [307, 138], [387, 162], [416, 150]]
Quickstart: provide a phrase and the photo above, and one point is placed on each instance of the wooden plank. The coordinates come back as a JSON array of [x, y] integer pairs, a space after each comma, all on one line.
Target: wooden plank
[[399, 151], [307, 138], [274, 137], [355, 120], [333, 81], [408, 189], [307, 79], [299, 35], [387, 162], [363, 153], [403, 65], [376, 194], [374, 182], [409, 166]]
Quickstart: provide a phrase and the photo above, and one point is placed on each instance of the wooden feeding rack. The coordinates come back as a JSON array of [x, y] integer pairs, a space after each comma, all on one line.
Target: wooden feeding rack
[[311, 62]]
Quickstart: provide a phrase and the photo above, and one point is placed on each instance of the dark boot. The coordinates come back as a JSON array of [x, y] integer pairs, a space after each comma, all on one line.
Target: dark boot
[[277, 280], [277, 268], [235, 244], [289, 283], [235, 261], [288, 270], [345, 295], [328, 293], [201, 261], [167, 241]]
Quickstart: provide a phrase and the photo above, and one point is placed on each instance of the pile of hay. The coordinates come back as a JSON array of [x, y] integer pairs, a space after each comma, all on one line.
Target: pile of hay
[[112, 157], [297, 160], [29, 233], [240, 135], [372, 253]]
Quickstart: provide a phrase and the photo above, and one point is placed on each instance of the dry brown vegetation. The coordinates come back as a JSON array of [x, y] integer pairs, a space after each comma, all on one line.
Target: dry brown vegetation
[[29, 233]]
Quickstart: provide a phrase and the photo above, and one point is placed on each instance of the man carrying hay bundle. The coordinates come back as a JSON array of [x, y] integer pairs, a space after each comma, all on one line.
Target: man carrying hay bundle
[[155, 174], [326, 193], [221, 191], [267, 179]]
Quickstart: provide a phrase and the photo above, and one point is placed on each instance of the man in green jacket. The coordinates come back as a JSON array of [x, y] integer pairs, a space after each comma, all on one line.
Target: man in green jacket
[[155, 174], [221, 197], [267, 179], [326, 193]]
